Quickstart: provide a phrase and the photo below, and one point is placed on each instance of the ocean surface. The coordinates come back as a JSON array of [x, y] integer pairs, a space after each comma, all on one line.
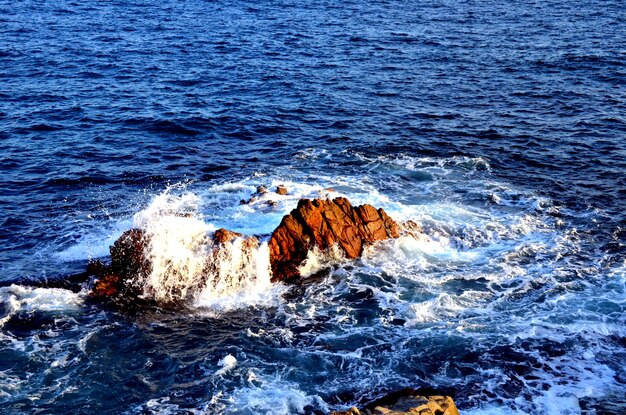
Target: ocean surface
[[499, 126]]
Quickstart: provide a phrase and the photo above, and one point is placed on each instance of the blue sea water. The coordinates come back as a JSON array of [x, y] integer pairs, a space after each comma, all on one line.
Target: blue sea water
[[499, 126]]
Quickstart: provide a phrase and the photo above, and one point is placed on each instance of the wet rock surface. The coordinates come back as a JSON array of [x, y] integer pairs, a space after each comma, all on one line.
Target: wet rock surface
[[281, 189], [222, 236], [323, 223], [407, 402], [128, 261]]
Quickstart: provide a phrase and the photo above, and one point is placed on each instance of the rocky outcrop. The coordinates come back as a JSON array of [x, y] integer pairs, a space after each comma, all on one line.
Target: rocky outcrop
[[261, 192], [317, 223], [407, 402], [222, 236], [323, 223]]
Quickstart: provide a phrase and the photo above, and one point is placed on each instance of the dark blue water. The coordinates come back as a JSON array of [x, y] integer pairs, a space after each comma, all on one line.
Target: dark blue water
[[500, 126]]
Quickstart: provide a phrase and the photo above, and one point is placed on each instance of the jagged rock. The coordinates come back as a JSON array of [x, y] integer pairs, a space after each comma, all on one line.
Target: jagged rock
[[281, 189], [322, 223], [317, 223], [407, 402], [128, 260]]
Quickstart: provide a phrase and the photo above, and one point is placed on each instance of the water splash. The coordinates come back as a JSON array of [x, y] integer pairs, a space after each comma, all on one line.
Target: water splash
[[187, 265]]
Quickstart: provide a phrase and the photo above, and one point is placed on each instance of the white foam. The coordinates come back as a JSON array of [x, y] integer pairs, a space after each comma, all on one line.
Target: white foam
[[178, 250], [95, 244], [226, 363], [491, 409], [20, 298], [272, 398], [317, 260], [442, 307], [188, 266], [162, 406]]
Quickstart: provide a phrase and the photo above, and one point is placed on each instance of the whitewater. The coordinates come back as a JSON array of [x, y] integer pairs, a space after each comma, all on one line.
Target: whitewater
[[492, 301]]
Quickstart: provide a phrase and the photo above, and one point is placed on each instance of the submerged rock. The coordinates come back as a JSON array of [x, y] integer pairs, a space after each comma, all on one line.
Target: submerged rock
[[323, 223], [407, 402]]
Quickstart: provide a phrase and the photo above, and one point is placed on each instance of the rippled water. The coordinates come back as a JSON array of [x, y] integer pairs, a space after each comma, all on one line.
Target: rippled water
[[500, 127]]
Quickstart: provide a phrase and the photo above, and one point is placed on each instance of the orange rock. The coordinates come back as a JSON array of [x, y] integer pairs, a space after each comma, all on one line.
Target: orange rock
[[322, 223], [106, 287], [407, 402], [317, 223], [221, 236]]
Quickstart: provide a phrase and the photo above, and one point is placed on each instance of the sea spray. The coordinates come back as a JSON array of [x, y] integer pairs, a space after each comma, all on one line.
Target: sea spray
[[178, 250], [239, 271], [187, 264]]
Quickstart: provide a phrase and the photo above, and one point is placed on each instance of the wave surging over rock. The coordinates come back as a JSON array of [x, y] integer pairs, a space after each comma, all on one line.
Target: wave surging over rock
[[175, 257]]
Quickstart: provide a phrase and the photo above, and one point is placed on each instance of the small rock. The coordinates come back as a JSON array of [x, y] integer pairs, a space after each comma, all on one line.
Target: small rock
[[261, 190], [222, 236], [281, 189]]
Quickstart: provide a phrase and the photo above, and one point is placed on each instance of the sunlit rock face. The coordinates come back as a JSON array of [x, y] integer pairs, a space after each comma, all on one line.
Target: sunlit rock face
[[322, 223], [407, 402]]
